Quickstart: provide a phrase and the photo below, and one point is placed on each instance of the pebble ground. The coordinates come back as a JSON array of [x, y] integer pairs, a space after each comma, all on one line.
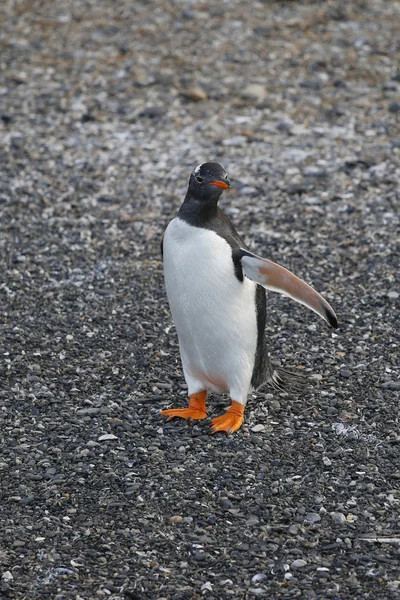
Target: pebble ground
[[105, 108]]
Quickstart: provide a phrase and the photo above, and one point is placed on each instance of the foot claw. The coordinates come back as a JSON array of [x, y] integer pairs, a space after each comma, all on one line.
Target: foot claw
[[231, 421], [192, 414]]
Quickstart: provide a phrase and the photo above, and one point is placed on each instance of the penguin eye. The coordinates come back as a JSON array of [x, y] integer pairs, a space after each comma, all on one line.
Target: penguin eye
[[199, 179]]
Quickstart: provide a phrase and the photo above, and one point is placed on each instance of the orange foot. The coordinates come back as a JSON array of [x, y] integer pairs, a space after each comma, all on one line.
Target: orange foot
[[231, 421], [195, 411]]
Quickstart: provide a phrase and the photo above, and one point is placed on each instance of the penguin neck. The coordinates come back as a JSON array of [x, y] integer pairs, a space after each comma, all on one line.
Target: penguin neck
[[198, 212]]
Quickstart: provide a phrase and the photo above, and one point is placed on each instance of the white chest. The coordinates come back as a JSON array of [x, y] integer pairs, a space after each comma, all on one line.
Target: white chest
[[214, 313]]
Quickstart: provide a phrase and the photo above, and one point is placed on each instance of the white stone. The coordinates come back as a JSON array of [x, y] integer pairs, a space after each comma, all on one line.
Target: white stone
[[236, 140], [254, 91], [206, 586], [259, 577], [257, 428], [298, 564], [107, 436]]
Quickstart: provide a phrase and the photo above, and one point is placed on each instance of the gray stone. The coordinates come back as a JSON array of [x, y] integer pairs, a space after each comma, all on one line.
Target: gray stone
[[345, 373], [394, 107], [394, 385], [312, 518], [338, 518]]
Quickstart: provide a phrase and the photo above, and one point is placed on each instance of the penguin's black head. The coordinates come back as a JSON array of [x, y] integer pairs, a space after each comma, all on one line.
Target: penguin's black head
[[208, 181]]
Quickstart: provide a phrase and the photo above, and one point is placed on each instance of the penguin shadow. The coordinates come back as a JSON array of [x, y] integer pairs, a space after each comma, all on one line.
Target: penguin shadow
[[268, 398]]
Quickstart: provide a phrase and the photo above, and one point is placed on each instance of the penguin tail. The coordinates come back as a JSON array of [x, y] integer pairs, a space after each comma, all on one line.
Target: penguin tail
[[287, 381]]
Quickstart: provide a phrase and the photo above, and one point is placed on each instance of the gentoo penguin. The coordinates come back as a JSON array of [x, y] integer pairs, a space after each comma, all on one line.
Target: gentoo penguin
[[215, 289]]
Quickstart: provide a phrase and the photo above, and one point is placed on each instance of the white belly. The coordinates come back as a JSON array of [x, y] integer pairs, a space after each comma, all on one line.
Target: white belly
[[214, 313]]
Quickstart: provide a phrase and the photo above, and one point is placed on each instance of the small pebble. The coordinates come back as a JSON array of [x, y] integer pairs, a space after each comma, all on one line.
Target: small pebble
[[294, 529], [312, 518], [196, 94], [298, 564], [258, 578], [258, 428], [153, 111], [338, 518], [275, 404], [176, 519], [63, 571], [254, 91], [236, 140], [313, 171], [345, 373], [107, 436], [394, 107]]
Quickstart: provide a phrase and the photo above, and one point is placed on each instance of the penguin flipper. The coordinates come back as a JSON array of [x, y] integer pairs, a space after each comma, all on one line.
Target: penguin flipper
[[278, 279]]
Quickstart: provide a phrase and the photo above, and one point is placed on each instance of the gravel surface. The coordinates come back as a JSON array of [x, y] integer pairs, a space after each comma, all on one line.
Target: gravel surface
[[105, 107]]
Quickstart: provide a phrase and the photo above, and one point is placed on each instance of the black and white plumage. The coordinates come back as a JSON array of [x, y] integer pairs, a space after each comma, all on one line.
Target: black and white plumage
[[215, 288]]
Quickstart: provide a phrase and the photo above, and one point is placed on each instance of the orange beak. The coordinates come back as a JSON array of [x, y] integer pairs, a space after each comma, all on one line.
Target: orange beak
[[220, 184]]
